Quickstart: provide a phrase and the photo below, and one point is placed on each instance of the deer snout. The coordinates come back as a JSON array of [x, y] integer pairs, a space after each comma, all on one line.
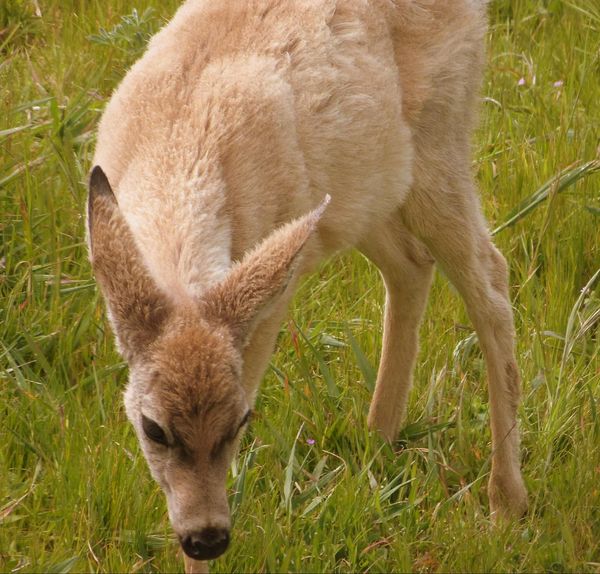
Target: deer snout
[[206, 544]]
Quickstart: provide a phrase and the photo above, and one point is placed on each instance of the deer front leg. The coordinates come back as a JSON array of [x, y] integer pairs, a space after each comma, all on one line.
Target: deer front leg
[[192, 566], [406, 268], [455, 233]]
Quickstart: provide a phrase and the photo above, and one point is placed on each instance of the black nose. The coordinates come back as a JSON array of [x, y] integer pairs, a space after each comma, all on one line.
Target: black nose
[[206, 544]]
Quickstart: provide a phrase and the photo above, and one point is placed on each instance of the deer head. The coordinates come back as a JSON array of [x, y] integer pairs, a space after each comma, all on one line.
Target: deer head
[[185, 396]]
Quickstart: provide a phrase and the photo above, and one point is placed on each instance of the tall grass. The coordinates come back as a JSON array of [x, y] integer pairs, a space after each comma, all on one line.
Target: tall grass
[[312, 490]]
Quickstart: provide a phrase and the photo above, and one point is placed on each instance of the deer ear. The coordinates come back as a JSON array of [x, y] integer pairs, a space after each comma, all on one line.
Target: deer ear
[[254, 284], [137, 308]]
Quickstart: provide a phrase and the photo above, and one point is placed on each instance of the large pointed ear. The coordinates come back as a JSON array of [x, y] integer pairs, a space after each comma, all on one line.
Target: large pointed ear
[[253, 285], [136, 307]]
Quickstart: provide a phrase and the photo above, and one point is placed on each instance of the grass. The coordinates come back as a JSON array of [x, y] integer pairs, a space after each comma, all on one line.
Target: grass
[[75, 494]]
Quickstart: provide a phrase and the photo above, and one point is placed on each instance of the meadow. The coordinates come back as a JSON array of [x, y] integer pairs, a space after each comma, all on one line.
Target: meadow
[[312, 490]]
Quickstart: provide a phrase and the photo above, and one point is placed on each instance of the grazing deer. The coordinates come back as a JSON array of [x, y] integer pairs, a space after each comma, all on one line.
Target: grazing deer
[[222, 147]]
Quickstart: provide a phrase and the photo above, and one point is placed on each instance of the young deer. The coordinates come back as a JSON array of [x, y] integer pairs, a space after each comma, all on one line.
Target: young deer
[[222, 146]]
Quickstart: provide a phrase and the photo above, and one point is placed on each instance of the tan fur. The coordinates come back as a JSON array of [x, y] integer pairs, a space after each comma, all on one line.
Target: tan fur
[[240, 118]]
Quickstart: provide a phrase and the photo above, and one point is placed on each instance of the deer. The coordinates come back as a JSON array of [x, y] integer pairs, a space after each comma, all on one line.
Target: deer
[[250, 142]]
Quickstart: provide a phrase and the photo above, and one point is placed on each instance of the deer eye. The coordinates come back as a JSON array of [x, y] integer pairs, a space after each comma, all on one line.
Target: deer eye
[[153, 431], [229, 438]]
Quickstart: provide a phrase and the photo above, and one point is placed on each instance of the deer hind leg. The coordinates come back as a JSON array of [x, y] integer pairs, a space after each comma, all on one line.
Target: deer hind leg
[[456, 234], [406, 268]]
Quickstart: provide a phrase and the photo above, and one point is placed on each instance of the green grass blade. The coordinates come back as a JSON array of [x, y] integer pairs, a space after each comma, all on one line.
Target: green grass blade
[[563, 181]]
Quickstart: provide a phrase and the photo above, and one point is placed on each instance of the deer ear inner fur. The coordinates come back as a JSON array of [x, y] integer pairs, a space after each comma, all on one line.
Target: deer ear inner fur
[[136, 306]]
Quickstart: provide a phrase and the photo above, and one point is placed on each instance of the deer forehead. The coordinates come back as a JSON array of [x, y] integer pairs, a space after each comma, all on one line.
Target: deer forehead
[[199, 352], [192, 371]]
